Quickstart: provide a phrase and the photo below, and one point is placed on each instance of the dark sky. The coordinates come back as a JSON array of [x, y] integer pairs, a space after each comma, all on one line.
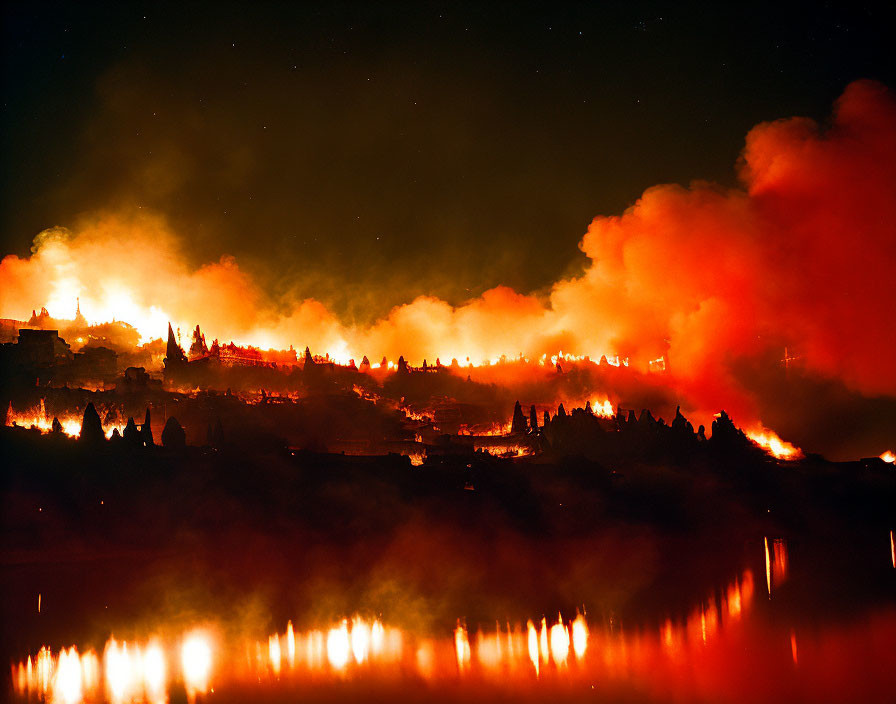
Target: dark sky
[[366, 154]]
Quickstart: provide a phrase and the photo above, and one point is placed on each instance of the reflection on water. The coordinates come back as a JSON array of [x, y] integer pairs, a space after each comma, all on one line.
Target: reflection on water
[[721, 650], [775, 563]]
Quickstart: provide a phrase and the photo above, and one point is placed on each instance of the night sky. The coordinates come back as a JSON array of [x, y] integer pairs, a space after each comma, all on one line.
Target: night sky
[[366, 155]]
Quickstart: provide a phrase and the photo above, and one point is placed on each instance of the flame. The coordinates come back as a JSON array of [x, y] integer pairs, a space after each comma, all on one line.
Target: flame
[[603, 409], [486, 430], [888, 456], [506, 450], [411, 414], [38, 418], [775, 446], [417, 458]]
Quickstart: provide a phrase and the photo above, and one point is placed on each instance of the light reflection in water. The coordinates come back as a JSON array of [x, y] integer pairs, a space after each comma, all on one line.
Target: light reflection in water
[[701, 654], [196, 661], [338, 647], [776, 563], [137, 672]]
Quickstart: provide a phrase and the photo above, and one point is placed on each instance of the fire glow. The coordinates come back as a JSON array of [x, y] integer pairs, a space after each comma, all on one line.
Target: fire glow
[[69, 423], [776, 563], [661, 293], [362, 648], [491, 435], [775, 446]]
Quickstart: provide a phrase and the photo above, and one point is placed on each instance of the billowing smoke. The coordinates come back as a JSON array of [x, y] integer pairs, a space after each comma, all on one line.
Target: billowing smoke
[[802, 255], [716, 281]]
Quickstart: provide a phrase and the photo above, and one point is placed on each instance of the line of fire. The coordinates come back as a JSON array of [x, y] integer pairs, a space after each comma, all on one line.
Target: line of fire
[[436, 409]]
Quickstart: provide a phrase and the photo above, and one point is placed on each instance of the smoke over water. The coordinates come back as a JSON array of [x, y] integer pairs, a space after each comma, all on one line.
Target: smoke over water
[[716, 281]]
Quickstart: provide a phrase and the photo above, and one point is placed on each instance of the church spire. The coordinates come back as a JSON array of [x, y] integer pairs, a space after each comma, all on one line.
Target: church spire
[[78, 317]]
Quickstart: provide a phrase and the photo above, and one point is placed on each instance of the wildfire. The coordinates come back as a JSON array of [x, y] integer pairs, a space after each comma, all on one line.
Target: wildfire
[[38, 418], [889, 456], [658, 283], [486, 430], [417, 416], [116, 302], [507, 450], [604, 408], [417, 458], [775, 446], [601, 407], [505, 370]]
